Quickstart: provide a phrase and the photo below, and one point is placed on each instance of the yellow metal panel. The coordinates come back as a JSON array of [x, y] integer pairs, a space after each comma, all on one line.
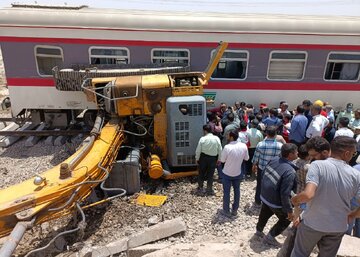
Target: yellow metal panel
[[126, 88], [151, 200], [187, 91], [95, 81], [155, 81]]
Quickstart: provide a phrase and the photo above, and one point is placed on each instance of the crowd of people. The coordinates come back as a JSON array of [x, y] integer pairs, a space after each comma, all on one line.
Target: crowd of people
[[306, 166]]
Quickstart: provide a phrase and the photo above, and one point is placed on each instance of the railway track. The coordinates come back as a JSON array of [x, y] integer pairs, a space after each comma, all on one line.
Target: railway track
[[14, 129]]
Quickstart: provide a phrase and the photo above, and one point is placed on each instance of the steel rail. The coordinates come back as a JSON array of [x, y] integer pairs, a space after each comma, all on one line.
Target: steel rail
[[28, 133]]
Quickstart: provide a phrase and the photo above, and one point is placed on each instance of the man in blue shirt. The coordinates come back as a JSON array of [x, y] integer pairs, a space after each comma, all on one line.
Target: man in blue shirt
[[298, 127], [273, 120]]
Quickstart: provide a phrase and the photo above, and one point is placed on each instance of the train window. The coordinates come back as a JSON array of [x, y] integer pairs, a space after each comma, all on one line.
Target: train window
[[232, 65], [167, 55], [342, 66], [47, 57], [109, 55], [286, 65]]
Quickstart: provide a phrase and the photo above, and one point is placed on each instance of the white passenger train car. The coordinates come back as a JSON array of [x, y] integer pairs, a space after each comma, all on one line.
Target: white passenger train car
[[281, 50]]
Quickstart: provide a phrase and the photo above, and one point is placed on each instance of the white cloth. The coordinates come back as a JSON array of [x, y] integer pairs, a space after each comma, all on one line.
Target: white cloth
[[344, 132], [233, 155], [316, 126]]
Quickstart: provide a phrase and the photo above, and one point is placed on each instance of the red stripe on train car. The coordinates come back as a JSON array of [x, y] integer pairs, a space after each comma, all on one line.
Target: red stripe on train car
[[228, 85], [176, 44], [37, 82]]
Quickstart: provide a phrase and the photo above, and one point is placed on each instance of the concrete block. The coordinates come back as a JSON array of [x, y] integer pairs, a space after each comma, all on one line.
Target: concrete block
[[2, 125], [154, 233], [60, 140], [9, 140], [51, 139], [145, 249], [349, 247], [110, 249], [157, 232], [11, 127], [31, 141], [198, 250]]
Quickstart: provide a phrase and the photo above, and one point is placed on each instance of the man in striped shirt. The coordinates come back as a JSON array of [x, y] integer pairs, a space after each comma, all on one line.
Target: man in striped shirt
[[264, 152]]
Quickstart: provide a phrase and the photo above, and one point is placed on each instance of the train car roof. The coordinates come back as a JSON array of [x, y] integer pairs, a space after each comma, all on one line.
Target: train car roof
[[339, 17], [283, 7]]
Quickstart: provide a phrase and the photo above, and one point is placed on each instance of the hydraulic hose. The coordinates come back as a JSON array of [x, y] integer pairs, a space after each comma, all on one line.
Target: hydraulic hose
[[15, 237], [85, 150], [81, 225]]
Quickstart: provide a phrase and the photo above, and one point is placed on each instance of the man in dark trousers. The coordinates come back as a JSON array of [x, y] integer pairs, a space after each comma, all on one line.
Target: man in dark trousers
[[330, 186], [207, 154], [264, 152], [278, 182], [318, 148]]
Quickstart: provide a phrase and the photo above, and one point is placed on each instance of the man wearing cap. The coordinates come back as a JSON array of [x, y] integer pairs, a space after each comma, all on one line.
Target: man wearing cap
[[346, 113], [321, 104]]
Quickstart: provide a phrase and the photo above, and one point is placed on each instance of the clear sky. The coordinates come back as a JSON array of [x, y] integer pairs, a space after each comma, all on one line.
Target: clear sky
[[310, 7]]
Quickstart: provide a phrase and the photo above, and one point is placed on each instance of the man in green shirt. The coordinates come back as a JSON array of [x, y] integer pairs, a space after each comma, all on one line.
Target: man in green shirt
[[348, 112], [207, 154]]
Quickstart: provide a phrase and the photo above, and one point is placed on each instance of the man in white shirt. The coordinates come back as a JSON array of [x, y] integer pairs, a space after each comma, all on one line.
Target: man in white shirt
[[343, 128], [207, 155], [317, 124], [233, 155]]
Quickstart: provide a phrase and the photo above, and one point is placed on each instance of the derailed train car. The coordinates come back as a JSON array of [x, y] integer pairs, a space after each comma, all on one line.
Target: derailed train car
[[288, 53]]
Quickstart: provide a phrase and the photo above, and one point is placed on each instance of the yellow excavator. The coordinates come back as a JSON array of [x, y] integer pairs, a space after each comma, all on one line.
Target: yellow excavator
[[162, 114]]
